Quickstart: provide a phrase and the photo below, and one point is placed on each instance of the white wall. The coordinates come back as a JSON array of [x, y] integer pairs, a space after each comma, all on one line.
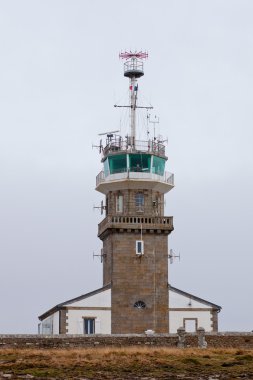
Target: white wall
[[50, 325], [176, 319], [102, 299], [102, 321], [47, 326], [56, 323], [177, 300], [103, 316]]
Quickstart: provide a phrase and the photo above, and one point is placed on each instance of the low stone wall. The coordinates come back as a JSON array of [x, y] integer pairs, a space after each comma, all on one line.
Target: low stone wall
[[71, 341], [213, 340], [235, 340]]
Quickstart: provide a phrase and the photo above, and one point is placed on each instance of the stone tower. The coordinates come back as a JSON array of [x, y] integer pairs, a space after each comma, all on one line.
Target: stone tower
[[135, 231]]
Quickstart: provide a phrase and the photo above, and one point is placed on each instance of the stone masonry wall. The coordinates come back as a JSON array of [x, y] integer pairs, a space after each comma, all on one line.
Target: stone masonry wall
[[153, 202], [136, 279], [218, 340]]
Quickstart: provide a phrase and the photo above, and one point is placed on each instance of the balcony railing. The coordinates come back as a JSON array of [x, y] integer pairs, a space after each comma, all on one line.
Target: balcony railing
[[136, 222], [117, 144], [167, 178], [133, 65]]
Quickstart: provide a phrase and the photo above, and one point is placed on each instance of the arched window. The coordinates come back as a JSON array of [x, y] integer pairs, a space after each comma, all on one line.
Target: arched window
[[140, 305]]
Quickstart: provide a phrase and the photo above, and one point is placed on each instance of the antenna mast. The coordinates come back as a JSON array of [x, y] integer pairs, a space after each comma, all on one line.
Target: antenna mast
[[133, 69]]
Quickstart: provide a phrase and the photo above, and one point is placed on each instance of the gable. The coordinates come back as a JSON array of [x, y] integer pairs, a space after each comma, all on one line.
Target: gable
[[177, 300], [82, 298], [181, 299], [101, 299]]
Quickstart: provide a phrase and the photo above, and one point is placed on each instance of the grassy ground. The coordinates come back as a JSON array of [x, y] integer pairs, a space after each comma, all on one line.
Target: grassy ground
[[126, 363]]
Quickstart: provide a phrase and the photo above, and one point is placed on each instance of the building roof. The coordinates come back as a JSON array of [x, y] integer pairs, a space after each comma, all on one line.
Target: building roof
[[100, 290], [83, 296]]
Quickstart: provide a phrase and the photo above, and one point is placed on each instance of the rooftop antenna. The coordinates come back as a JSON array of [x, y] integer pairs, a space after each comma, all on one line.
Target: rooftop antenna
[[133, 69], [172, 256], [102, 208], [101, 255], [100, 146], [148, 124], [154, 122]]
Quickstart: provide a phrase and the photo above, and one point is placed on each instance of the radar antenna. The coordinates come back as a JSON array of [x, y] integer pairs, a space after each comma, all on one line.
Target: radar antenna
[[108, 133], [128, 55], [133, 69]]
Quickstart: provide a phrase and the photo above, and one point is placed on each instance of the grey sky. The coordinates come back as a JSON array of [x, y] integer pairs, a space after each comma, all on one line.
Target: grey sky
[[59, 78]]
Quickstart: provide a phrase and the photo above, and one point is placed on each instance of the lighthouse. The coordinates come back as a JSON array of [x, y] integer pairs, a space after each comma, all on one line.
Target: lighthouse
[[134, 231], [135, 296]]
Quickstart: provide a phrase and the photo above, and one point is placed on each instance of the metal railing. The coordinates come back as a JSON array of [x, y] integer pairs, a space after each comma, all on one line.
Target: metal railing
[[167, 178], [117, 144], [133, 65]]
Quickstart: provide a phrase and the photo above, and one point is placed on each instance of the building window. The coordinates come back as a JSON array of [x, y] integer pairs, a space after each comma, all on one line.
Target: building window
[[140, 163], [89, 325], [139, 247], [140, 305], [139, 202], [119, 203], [118, 164], [158, 165]]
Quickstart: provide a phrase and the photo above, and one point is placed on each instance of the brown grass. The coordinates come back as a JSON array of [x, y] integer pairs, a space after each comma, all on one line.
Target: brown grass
[[126, 363]]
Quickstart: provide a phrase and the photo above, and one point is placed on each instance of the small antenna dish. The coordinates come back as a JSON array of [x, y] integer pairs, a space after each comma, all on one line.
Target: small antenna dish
[[172, 256]]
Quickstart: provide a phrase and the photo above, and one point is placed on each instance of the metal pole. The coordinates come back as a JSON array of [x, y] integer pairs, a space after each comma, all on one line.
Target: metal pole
[[133, 110]]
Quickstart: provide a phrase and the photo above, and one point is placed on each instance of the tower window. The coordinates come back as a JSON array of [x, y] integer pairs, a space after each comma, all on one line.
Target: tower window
[[140, 305], [118, 164], [158, 165], [139, 162], [119, 203], [139, 247], [139, 202], [89, 325]]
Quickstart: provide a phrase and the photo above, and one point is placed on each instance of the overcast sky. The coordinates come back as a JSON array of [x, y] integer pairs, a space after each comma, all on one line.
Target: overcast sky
[[59, 78]]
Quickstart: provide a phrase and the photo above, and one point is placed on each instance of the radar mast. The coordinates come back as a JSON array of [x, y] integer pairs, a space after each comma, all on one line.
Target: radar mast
[[133, 69]]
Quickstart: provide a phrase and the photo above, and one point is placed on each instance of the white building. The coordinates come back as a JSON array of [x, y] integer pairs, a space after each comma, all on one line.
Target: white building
[[91, 314]]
